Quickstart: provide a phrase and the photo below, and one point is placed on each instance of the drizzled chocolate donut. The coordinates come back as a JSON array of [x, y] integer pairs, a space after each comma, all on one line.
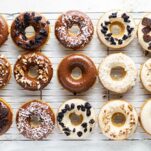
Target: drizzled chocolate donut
[[69, 39], [82, 82], [6, 116], [5, 71], [40, 25], [33, 71], [35, 120]]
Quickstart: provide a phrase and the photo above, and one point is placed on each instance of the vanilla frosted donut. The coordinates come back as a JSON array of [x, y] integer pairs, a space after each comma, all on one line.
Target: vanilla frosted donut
[[144, 29], [116, 29], [118, 119], [126, 65], [145, 75], [145, 116], [76, 118]]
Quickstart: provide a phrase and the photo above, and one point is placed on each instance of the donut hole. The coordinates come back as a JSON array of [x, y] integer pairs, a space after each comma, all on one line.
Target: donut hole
[[33, 71], [118, 119], [74, 30], [35, 120], [117, 29], [75, 119], [76, 73], [118, 73], [29, 31]]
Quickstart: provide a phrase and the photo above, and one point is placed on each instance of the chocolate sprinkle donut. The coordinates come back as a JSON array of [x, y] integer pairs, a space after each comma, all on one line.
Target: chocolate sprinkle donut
[[40, 25]]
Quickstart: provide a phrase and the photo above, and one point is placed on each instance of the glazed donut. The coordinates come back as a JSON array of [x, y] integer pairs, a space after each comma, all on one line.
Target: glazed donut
[[3, 30], [116, 29], [35, 120], [69, 39], [6, 116], [42, 66], [144, 29], [40, 25], [5, 71], [76, 118], [81, 83], [118, 84], [118, 119]]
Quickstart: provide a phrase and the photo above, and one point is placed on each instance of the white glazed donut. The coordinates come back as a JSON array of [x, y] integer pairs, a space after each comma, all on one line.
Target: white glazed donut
[[113, 61], [144, 29], [116, 29], [118, 119], [145, 116], [146, 74], [76, 118]]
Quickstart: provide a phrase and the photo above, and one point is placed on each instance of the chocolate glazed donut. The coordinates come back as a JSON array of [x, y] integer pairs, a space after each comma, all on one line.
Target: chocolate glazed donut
[[40, 25], [88, 75]]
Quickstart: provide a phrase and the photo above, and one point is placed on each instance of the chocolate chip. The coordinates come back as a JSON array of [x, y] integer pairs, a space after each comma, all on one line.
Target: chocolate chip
[[92, 121], [107, 23], [24, 37], [38, 39], [74, 130], [78, 107], [67, 133], [146, 30], [146, 21], [113, 15], [79, 133], [149, 46], [43, 32], [84, 125], [3, 113], [72, 106], [67, 107], [125, 37], [90, 129], [112, 41], [62, 124], [87, 105], [109, 34], [120, 41], [48, 22], [82, 108], [64, 111], [37, 19], [88, 112], [129, 29], [27, 17], [103, 31], [31, 42], [147, 38], [104, 27], [60, 116], [66, 129], [125, 17], [85, 130]]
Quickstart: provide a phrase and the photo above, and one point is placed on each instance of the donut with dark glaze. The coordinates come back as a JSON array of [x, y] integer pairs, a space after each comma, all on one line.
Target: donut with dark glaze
[[42, 66], [88, 73], [69, 39], [40, 25]]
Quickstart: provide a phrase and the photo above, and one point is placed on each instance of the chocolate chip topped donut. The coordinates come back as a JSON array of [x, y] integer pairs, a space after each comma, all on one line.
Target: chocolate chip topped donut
[[76, 118], [35, 120], [68, 38], [5, 71], [116, 29], [33, 71], [41, 28]]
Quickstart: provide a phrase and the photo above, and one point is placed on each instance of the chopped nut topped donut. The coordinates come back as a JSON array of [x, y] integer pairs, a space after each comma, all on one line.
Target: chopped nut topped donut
[[33, 71]]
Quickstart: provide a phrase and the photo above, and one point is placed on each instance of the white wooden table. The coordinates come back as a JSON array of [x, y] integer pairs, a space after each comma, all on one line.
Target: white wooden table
[[55, 94]]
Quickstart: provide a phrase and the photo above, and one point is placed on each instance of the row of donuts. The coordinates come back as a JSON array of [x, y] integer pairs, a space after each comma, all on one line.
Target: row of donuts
[[43, 72], [115, 29], [76, 118]]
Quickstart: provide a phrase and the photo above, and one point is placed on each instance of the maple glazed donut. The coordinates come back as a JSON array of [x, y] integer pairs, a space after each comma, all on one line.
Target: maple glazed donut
[[84, 80], [116, 29], [70, 39], [6, 116], [35, 120], [118, 119], [5, 71], [144, 29], [125, 66], [33, 71], [41, 28], [76, 118]]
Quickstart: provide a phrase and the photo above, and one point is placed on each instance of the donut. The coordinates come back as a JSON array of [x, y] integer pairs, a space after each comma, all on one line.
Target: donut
[[6, 116], [125, 66], [4, 31], [85, 80], [41, 28], [116, 29], [37, 62], [35, 120], [5, 71], [70, 39], [76, 118], [145, 75], [145, 116], [144, 29], [118, 119]]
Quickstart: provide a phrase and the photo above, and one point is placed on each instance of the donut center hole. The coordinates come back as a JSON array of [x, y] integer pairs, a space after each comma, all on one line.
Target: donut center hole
[[75, 119], [35, 121], [76, 73], [118, 73], [29, 31], [117, 29], [118, 119], [33, 71], [74, 30]]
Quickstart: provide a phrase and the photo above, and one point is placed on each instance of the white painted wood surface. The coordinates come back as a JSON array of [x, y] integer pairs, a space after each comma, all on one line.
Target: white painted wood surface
[[55, 94]]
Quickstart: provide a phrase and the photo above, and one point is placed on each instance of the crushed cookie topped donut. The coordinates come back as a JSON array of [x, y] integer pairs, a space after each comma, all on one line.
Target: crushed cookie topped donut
[[68, 38], [76, 118], [35, 120], [33, 71], [118, 119], [116, 29], [5, 71], [40, 25]]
